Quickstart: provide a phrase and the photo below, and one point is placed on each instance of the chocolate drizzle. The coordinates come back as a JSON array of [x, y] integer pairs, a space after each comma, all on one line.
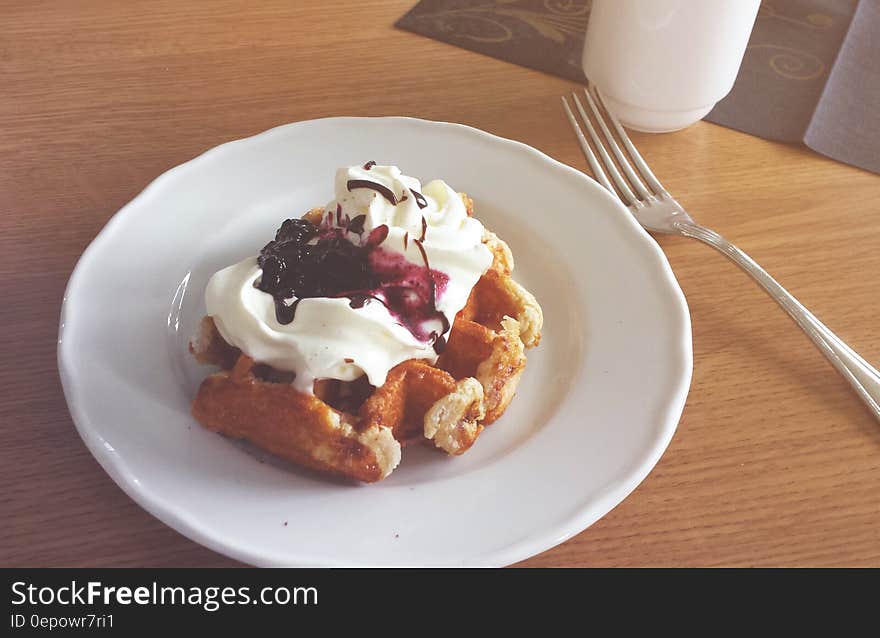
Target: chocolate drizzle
[[383, 190], [420, 199], [377, 236], [360, 299], [283, 313], [356, 225]]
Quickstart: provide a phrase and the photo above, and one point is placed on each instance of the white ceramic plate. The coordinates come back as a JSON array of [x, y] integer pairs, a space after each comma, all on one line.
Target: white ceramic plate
[[597, 405]]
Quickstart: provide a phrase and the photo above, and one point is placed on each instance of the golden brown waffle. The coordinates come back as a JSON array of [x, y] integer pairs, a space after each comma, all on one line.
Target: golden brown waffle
[[356, 430]]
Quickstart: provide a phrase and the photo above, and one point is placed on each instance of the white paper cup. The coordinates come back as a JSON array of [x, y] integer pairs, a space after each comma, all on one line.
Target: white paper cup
[[661, 65]]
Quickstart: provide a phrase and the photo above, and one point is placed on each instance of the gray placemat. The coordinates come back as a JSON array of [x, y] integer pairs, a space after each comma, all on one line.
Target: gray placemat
[[846, 122], [811, 72]]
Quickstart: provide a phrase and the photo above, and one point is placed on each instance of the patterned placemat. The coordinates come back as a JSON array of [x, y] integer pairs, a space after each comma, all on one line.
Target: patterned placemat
[[811, 72], [547, 35]]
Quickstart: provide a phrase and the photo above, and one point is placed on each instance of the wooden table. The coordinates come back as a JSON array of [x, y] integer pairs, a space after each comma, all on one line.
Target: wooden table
[[775, 461]]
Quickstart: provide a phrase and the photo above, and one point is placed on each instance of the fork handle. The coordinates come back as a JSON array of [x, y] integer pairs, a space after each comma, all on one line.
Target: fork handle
[[860, 374]]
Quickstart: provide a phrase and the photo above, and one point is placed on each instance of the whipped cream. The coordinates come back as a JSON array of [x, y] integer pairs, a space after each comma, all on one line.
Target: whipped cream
[[328, 338]]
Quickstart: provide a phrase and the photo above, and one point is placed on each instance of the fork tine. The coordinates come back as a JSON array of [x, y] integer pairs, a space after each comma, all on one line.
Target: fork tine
[[598, 173], [627, 195], [640, 163], [637, 184]]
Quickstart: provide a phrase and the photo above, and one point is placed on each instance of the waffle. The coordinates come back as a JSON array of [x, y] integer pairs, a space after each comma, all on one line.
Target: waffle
[[356, 430]]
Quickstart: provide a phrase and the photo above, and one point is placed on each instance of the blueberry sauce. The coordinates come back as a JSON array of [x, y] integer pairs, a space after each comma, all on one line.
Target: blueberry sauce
[[410, 292], [305, 260]]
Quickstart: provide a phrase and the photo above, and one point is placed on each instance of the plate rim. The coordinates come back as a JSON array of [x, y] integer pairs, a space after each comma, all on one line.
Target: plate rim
[[583, 516]]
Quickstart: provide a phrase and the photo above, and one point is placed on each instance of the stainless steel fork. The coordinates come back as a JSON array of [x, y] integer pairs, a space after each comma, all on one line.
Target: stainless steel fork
[[657, 211]]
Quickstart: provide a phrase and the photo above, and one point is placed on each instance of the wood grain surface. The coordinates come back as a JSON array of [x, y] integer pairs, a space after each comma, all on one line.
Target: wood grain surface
[[775, 461]]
